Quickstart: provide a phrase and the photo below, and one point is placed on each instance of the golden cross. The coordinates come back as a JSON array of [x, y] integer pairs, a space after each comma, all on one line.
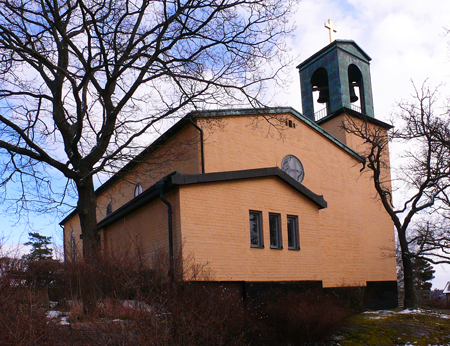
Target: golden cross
[[331, 28]]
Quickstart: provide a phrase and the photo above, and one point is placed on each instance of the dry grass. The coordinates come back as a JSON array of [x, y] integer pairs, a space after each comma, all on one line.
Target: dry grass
[[297, 319]]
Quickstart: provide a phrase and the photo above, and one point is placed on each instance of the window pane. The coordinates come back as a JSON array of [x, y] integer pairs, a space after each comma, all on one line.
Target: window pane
[[108, 209], [255, 229], [292, 223], [275, 234], [137, 190]]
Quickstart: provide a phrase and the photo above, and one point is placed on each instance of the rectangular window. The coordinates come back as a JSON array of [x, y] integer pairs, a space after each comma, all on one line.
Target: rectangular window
[[256, 238], [292, 228], [275, 231]]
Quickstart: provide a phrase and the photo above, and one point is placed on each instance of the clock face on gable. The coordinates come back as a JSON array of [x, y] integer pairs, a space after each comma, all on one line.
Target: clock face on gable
[[292, 166]]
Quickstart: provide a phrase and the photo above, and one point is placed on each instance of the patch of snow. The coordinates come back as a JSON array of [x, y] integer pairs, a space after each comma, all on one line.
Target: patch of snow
[[379, 314], [58, 316], [414, 312], [137, 304], [53, 314], [64, 320]]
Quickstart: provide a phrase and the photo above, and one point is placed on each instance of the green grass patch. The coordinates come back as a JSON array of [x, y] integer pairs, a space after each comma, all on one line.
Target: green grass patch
[[424, 327]]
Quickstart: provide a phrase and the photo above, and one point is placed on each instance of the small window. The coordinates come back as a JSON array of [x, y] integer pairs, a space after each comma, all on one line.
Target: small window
[[137, 189], [292, 228], [256, 239], [275, 231], [290, 123], [108, 209]]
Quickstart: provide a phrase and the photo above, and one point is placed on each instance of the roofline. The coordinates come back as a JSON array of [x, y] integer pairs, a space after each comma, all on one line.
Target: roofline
[[446, 289], [278, 110], [189, 179], [364, 117], [331, 46], [183, 122], [174, 129], [176, 179]]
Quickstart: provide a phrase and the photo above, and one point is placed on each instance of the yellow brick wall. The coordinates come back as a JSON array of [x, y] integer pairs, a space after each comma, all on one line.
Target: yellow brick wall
[[215, 230], [143, 233], [73, 225], [334, 127], [356, 234]]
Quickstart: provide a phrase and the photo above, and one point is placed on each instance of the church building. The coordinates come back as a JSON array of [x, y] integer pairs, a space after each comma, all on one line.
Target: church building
[[261, 197]]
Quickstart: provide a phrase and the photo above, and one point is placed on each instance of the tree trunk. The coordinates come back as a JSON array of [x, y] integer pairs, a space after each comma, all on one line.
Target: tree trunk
[[408, 278], [86, 207]]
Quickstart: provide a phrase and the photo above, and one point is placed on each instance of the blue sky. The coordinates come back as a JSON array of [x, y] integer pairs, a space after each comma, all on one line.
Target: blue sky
[[405, 39]]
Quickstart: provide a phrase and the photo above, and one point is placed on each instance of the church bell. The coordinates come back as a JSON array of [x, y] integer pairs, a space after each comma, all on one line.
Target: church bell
[[323, 95], [353, 97]]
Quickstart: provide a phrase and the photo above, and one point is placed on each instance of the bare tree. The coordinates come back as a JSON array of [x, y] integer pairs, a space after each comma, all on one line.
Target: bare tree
[[422, 180], [81, 80]]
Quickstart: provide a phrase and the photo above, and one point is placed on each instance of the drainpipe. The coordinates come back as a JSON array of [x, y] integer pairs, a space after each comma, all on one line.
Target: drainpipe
[[160, 188], [201, 144], [64, 241]]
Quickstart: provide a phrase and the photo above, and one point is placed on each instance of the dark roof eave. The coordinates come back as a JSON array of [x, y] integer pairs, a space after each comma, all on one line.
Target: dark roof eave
[[147, 196], [177, 179], [187, 179], [138, 159], [358, 115], [329, 47]]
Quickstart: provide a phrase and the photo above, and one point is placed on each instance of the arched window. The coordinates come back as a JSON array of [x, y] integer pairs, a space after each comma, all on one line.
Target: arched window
[[108, 209], [320, 88], [137, 189], [356, 90]]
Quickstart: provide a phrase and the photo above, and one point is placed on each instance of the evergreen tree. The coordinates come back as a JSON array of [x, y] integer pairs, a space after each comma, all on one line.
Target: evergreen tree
[[40, 249], [423, 272]]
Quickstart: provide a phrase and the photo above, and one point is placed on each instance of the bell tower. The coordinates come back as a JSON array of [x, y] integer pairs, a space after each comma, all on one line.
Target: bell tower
[[336, 79]]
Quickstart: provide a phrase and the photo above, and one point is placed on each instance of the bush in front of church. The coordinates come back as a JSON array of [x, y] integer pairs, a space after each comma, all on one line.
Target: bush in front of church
[[292, 318]]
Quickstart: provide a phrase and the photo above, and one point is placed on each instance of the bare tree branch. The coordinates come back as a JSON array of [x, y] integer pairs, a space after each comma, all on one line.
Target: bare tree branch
[[82, 80], [424, 174]]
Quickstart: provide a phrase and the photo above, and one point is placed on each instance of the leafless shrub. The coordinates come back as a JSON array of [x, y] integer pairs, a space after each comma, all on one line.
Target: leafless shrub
[[291, 318], [22, 315], [192, 314], [161, 313]]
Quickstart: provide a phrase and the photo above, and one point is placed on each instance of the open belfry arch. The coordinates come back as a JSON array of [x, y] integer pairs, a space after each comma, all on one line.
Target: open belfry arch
[[340, 73], [262, 211]]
